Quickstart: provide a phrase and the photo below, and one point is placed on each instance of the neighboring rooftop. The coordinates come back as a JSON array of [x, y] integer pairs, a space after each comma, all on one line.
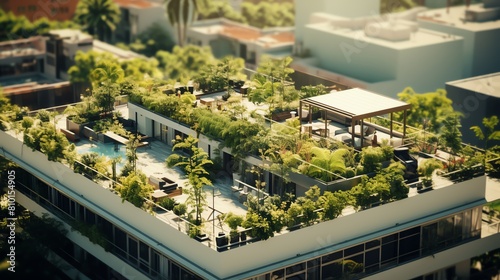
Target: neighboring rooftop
[[240, 32], [486, 84], [121, 54], [395, 33], [22, 47], [72, 35], [136, 3], [456, 17]]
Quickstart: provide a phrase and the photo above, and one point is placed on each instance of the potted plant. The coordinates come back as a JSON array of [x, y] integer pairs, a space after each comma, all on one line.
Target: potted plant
[[233, 221], [221, 240], [427, 168]]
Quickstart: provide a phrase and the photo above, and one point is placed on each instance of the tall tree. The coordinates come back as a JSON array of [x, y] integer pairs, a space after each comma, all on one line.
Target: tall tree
[[194, 165], [99, 17], [180, 13], [489, 133], [273, 83], [427, 109], [450, 136], [105, 78]]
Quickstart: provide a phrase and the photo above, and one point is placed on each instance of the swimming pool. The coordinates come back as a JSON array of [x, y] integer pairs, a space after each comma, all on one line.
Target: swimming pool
[[108, 150]]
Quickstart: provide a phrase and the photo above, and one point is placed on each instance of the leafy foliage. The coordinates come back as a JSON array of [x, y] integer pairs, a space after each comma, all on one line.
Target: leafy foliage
[[91, 163], [45, 138], [489, 133], [86, 62], [266, 14], [18, 27], [450, 136], [273, 84], [184, 62], [216, 75], [134, 189], [325, 164], [427, 109], [194, 165], [10, 113], [98, 17]]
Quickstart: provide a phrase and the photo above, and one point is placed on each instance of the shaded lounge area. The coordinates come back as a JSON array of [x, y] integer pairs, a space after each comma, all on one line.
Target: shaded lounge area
[[350, 108]]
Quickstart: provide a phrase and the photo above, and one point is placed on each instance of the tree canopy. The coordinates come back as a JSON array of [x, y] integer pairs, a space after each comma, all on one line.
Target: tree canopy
[[98, 17], [19, 27], [427, 109]]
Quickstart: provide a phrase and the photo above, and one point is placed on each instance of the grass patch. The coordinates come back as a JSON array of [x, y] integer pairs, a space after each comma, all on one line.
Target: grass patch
[[495, 205]]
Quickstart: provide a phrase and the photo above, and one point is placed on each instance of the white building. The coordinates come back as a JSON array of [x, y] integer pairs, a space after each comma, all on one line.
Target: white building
[[476, 98], [434, 233], [226, 37], [478, 25], [419, 48], [139, 15]]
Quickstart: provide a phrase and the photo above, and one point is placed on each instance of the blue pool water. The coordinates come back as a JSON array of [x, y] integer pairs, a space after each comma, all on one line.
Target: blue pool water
[[107, 150]]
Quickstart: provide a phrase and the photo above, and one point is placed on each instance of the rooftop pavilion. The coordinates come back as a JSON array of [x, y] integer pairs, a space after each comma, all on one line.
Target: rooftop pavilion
[[356, 105]]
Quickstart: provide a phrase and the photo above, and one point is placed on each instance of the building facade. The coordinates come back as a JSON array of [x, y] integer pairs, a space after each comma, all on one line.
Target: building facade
[[136, 16], [432, 233], [419, 48], [226, 37], [476, 98], [59, 10]]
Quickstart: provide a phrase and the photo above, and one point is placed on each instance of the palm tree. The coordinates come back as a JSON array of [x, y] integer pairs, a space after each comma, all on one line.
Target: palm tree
[[99, 17], [180, 13]]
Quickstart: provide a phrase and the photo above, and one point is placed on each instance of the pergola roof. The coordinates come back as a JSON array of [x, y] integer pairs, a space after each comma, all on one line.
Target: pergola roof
[[357, 103]]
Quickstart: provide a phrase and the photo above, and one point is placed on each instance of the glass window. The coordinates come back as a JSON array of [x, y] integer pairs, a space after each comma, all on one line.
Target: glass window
[[301, 276], [458, 228], [332, 271], [372, 244], [445, 231], [296, 268], [429, 241], [313, 273], [354, 264], [467, 223], [313, 262], [155, 263], [132, 249], [409, 248], [354, 250], [409, 232], [90, 217], [176, 273], [332, 257], [476, 221], [144, 251], [389, 253], [389, 238], [372, 257], [278, 274]]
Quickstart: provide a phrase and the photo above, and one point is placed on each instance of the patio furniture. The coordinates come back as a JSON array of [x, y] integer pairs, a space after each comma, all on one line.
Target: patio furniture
[[243, 194]]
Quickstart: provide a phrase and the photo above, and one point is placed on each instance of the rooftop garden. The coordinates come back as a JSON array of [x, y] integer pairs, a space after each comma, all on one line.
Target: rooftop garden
[[282, 149]]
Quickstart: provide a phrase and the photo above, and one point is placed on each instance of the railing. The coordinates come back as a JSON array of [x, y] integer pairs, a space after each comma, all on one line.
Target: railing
[[492, 228]]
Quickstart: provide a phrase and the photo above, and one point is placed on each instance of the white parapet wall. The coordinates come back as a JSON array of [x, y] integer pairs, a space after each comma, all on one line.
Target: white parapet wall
[[263, 255]]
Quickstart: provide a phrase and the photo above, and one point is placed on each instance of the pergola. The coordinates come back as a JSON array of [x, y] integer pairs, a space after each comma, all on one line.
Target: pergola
[[357, 105]]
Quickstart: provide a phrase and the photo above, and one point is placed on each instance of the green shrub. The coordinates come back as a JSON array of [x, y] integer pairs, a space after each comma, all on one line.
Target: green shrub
[[167, 203], [180, 209]]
